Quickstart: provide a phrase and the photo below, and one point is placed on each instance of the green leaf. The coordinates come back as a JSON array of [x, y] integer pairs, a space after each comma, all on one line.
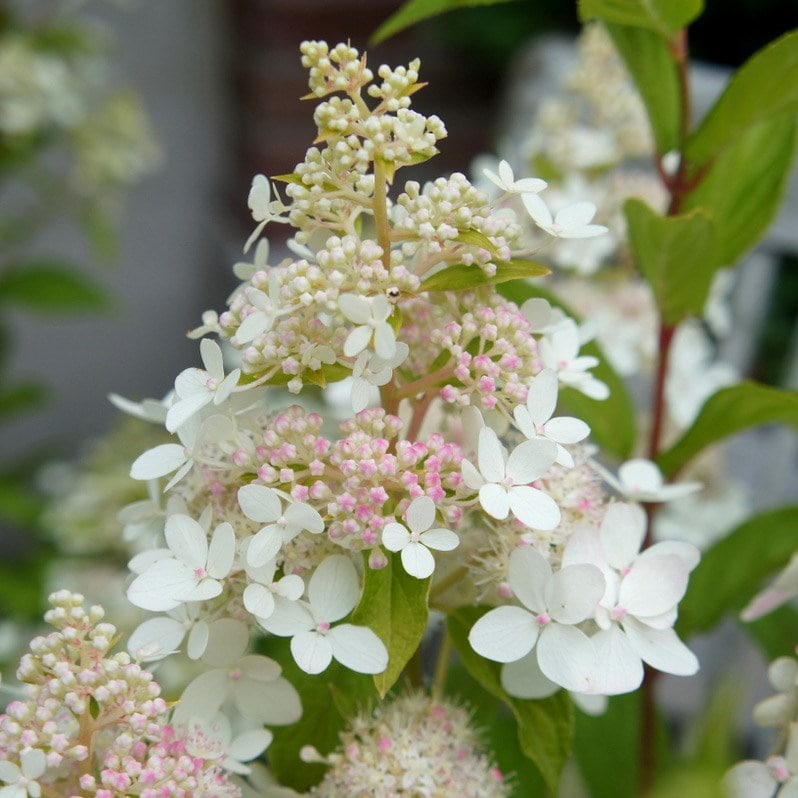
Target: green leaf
[[732, 571], [50, 286], [763, 87], [322, 720], [461, 277], [22, 397], [476, 239], [101, 233], [612, 421], [664, 17], [415, 11], [744, 186], [18, 503], [545, 727], [394, 607], [727, 412], [656, 76], [776, 632], [675, 255]]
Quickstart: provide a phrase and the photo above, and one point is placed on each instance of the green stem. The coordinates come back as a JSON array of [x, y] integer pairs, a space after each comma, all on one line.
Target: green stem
[[380, 207]]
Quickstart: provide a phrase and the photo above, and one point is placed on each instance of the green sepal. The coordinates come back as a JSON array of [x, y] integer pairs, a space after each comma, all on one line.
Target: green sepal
[[461, 277], [732, 571], [766, 85], [545, 727], [727, 412], [675, 255], [394, 605]]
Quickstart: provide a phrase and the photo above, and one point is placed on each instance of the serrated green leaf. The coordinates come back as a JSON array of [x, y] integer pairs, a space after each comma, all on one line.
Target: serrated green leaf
[[732, 571], [656, 76], [675, 255], [664, 17], [50, 286], [727, 412], [744, 186], [323, 696], [394, 607], [611, 421], [763, 87], [545, 727], [462, 278], [415, 11], [22, 397]]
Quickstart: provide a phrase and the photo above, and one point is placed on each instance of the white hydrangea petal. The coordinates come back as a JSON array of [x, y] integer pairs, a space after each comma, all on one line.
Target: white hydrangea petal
[[573, 593], [361, 394], [290, 587], [538, 210], [187, 540], [567, 657], [622, 532], [533, 507], [180, 412], [677, 491], [491, 456], [584, 546], [355, 308], [420, 514], [139, 563], [471, 476], [334, 589], [564, 457], [9, 772], [259, 503], [191, 382], [178, 475], [528, 573], [505, 174], [384, 341], [305, 517], [155, 639], [289, 618], [33, 762], [258, 600], [156, 588], [524, 679], [417, 560], [664, 620], [395, 537], [440, 539], [524, 422], [264, 545], [686, 552], [588, 231], [198, 639], [259, 669], [660, 648], [250, 744], [204, 590], [504, 634], [212, 359], [653, 586], [542, 396], [576, 215], [566, 429], [158, 461], [357, 340], [783, 673], [252, 326], [358, 648], [640, 475], [749, 779], [259, 197], [620, 669], [222, 551], [530, 459], [494, 500], [203, 697], [776, 710], [226, 387], [228, 639], [529, 185], [311, 651], [275, 702]]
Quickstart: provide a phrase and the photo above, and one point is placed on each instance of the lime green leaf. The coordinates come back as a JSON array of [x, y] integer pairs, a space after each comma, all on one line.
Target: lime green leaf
[[21, 397], [48, 286], [461, 277], [656, 77], [744, 186], [675, 255], [665, 17], [545, 727], [612, 421], [476, 239], [727, 412], [763, 87], [776, 632], [732, 571], [322, 697], [415, 11], [394, 607]]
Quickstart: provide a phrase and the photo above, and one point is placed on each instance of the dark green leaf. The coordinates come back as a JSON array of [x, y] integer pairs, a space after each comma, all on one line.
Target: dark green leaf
[[727, 412], [394, 607], [18, 503], [415, 11], [612, 421], [545, 727], [50, 286], [776, 632], [656, 77], [765, 86], [321, 720], [745, 185], [22, 397], [461, 277], [665, 17], [732, 571], [675, 255]]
